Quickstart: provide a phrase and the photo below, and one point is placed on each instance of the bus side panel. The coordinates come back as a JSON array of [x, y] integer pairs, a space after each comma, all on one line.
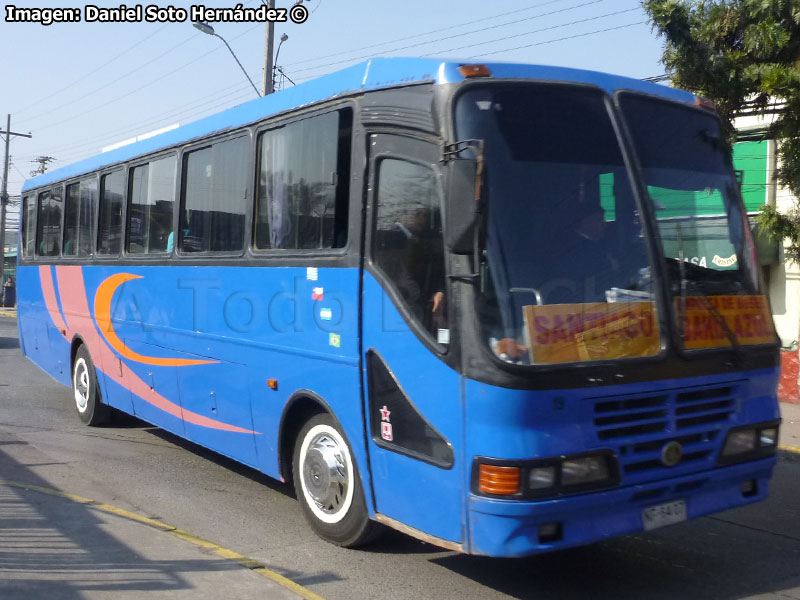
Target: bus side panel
[[114, 393], [227, 330], [30, 318], [219, 391], [40, 339], [310, 346], [191, 350], [335, 383]]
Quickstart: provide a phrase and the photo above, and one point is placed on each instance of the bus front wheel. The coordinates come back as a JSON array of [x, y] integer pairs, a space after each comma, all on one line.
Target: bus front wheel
[[328, 486], [85, 390]]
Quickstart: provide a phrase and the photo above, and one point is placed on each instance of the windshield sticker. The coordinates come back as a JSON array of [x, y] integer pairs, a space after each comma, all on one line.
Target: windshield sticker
[[560, 333], [724, 262], [747, 317]]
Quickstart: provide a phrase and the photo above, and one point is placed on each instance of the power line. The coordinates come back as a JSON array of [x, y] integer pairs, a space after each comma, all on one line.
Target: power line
[[570, 37], [554, 12], [129, 72], [51, 95], [580, 35], [69, 158], [17, 170], [145, 85], [178, 113], [120, 78], [517, 35], [656, 78], [419, 35]]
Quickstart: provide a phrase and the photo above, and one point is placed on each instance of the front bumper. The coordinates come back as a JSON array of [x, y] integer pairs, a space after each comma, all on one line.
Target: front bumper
[[511, 528]]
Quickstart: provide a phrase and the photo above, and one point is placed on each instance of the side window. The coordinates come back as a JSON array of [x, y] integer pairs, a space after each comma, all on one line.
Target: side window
[[79, 212], [28, 231], [215, 197], [408, 245], [109, 229], [304, 172], [48, 223], [151, 195]]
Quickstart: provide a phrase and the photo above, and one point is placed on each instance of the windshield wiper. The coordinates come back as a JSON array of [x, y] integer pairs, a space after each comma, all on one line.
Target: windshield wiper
[[734, 341]]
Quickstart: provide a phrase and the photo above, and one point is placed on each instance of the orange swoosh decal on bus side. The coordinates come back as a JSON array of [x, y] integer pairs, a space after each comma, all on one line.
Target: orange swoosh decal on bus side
[[72, 290], [102, 314]]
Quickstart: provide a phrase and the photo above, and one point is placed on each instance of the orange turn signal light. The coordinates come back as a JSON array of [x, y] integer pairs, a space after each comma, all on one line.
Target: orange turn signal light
[[468, 71], [272, 384], [501, 481], [704, 102]]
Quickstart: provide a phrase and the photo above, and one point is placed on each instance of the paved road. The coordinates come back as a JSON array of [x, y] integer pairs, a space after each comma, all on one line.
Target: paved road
[[746, 553]]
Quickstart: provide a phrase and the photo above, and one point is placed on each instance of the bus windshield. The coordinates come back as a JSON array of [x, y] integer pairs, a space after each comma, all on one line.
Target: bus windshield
[[566, 274], [704, 232]]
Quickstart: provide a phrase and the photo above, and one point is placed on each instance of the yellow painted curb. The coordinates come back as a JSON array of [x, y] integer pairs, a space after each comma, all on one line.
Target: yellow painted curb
[[225, 553], [8, 315], [792, 449]]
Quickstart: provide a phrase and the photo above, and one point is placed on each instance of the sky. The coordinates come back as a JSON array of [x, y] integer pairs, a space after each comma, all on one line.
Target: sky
[[78, 87]]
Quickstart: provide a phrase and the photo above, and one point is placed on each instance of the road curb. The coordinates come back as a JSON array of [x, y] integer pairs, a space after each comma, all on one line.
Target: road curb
[[791, 453], [226, 553]]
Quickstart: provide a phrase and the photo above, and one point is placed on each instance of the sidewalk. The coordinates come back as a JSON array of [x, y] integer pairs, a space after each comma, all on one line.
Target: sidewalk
[[790, 428], [59, 546]]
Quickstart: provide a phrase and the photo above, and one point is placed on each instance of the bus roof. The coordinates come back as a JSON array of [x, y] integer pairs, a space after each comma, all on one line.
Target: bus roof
[[373, 74]]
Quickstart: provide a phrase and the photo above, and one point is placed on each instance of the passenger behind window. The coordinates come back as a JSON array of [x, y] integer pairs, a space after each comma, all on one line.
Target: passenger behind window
[[412, 255]]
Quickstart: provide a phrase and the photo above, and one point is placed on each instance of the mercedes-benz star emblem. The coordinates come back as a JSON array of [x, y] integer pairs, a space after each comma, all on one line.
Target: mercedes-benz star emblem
[[671, 454]]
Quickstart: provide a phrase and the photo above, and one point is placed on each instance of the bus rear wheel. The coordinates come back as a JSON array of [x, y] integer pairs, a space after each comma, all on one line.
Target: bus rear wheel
[[328, 486], [88, 401]]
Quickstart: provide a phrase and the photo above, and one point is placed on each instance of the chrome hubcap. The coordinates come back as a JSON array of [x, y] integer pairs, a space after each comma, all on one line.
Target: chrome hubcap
[[81, 385], [325, 473]]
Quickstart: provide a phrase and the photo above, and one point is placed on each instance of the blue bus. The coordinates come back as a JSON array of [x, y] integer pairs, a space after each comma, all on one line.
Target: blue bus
[[459, 300]]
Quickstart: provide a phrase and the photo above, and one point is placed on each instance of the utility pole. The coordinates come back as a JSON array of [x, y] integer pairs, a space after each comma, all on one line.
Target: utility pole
[[4, 197], [42, 162], [269, 42]]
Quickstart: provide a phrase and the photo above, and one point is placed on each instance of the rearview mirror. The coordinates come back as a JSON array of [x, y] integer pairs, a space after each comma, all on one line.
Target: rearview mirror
[[462, 205]]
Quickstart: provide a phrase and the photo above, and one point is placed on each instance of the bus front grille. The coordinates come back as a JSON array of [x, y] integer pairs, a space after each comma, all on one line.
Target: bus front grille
[[639, 427]]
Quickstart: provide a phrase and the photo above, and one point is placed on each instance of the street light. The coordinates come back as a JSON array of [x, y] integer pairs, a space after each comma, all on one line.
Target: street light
[[209, 30], [275, 67], [269, 41]]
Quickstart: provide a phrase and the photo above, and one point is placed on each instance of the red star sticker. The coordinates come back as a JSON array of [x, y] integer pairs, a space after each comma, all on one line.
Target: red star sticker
[[385, 414]]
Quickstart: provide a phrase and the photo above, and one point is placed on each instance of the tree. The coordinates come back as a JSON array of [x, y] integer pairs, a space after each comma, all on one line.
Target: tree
[[744, 55]]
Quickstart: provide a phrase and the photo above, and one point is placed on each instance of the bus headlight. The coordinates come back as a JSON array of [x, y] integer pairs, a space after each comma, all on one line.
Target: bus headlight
[[769, 436], [740, 442], [549, 477], [589, 469], [749, 443], [541, 477]]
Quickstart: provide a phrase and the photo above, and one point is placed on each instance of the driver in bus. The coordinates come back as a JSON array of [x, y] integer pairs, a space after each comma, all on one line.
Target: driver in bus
[[584, 265], [590, 264]]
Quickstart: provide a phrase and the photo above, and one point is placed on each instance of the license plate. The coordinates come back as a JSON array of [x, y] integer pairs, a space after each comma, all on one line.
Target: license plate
[[660, 515]]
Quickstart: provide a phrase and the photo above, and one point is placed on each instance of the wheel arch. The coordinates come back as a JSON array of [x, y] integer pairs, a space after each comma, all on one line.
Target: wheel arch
[[301, 406], [77, 342]]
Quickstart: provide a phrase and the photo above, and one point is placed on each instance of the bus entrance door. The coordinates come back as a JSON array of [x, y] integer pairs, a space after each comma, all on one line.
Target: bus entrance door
[[413, 408]]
